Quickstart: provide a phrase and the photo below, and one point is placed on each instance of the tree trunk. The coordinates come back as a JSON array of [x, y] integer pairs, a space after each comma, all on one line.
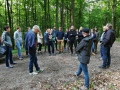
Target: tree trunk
[[113, 14], [57, 2], [72, 12]]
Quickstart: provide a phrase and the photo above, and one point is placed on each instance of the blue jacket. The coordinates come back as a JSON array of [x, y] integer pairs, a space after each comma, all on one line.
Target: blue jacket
[[65, 36], [30, 42]]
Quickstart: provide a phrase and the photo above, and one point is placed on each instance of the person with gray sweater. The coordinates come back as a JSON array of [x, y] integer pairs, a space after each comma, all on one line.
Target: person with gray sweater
[[18, 41], [7, 44]]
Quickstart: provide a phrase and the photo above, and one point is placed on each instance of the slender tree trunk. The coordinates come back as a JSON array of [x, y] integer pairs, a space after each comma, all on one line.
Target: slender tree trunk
[[62, 22], [113, 14], [57, 14], [72, 11]]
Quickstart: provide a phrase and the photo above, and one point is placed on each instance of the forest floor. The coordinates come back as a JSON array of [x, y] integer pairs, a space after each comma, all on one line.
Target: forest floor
[[59, 72]]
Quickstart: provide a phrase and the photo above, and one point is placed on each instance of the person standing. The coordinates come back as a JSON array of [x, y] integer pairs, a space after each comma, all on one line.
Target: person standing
[[45, 40], [72, 38], [40, 41], [60, 39], [49, 37], [83, 50], [106, 44], [80, 36], [31, 47], [65, 39], [28, 28], [54, 33], [18, 41], [93, 35], [7, 44], [97, 39]]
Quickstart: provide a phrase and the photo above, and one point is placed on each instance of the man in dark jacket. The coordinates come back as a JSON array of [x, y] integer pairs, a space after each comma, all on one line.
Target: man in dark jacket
[[106, 44], [72, 38], [84, 51]]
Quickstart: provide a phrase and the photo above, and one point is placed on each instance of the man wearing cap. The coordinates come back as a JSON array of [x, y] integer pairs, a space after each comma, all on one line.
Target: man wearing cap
[[31, 47], [83, 50]]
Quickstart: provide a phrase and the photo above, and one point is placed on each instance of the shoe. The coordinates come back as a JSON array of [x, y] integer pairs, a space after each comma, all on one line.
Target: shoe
[[93, 53], [33, 73], [39, 71], [53, 54], [9, 67], [76, 74], [102, 67], [49, 54], [13, 63], [83, 88], [107, 66], [21, 58]]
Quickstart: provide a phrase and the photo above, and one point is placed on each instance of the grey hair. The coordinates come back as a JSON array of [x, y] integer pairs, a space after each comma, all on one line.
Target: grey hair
[[36, 27]]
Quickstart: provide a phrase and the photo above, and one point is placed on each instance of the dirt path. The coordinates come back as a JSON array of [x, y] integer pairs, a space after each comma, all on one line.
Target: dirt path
[[58, 73]]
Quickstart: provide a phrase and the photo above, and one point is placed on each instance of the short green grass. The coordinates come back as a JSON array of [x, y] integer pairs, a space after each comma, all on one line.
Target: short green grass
[[118, 39], [15, 51]]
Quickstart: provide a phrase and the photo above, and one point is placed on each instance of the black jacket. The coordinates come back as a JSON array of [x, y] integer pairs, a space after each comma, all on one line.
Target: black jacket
[[83, 50], [108, 38], [72, 35]]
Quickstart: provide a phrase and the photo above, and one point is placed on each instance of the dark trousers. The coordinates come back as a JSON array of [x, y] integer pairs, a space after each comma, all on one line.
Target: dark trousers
[[45, 45], [50, 44], [56, 44], [8, 56], [72, 42], [65, 43], [39, 46], [95, 46], [33, 60], [106, 56]]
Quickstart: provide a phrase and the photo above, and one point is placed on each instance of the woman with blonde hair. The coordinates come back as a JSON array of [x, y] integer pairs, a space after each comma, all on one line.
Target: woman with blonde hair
[[40, 41]]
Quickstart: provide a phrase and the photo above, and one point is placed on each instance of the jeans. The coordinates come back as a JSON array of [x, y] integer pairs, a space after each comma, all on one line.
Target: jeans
[[50, 44], [93, 47], [106, 56], [33, 60], [83, 67], [8, 56], [18, 45]]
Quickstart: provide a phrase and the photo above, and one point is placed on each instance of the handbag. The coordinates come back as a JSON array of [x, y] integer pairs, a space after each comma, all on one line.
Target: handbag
[[2, 50]]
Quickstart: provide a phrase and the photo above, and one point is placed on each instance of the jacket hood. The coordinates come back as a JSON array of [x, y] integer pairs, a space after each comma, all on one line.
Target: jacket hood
[[87, 38]]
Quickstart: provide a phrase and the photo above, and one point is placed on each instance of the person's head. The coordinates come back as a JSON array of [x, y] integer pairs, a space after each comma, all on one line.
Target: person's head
[[19, 28], [48, 30], [36, 29], [66, 30], [105, 28], [7, 28], [72, 27], [109, 25], [80, 28], [28, 28], [54, 28], [60, 28], [92, 30], [85, 32], [96, 29]]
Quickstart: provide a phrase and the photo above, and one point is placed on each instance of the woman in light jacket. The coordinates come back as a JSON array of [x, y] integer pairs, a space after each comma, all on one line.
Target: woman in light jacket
[[40, 41]]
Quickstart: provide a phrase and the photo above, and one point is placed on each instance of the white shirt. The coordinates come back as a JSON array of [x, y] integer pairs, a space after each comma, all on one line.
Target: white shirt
[[39, 38]]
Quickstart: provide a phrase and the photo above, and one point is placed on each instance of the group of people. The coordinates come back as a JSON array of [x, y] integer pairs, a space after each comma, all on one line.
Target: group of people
[[84, 40]]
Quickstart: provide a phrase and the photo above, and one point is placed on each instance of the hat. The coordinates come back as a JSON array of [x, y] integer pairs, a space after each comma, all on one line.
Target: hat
[[86, 30]]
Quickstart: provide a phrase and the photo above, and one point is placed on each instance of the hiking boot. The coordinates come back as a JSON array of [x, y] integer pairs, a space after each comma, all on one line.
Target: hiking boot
[[102, 67], [39, 71], [9, 67], [83, 88], [33, 73], [21, 58]]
